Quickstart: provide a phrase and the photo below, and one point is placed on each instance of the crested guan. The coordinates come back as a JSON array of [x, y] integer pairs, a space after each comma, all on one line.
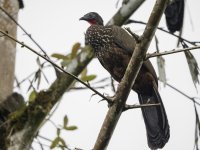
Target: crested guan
[[113, 46]]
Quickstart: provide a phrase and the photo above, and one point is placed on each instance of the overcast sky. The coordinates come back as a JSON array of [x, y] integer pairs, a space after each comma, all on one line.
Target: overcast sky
[[55, 25]]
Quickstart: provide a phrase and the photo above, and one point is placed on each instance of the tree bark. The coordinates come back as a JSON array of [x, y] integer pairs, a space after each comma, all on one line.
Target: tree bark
[[7, 48]]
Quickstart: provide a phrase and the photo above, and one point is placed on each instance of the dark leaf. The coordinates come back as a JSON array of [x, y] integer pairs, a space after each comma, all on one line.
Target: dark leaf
[[174, 15], [38, 62], [193, 66], [58, 132], [38, 77]]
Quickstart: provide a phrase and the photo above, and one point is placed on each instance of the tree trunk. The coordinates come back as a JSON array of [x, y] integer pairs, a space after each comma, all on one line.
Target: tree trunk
[[7, 48]]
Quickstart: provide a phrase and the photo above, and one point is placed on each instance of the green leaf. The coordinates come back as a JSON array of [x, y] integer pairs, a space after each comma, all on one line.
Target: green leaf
[[75, 49], [55, 142], [61, 140], [84, 73], [71, 128], [65, 62], [65, 121], [32, 96], [59, 56], [88, 78]]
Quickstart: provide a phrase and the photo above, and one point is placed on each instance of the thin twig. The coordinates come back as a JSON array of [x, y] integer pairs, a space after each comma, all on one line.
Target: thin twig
[[127, 107], [155, 54], [159, 28], [179, 91], [45, 138], [41, 145]]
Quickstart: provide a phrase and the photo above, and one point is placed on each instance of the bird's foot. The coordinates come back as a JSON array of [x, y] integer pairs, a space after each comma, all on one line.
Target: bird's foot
[[109, 100]]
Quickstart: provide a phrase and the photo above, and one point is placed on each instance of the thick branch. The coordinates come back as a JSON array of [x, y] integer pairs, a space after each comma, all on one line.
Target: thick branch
[[7, 49], [127, 9], [128, 80]]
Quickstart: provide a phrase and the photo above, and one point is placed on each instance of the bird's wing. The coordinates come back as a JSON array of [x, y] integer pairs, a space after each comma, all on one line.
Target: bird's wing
[[126, 42], [122, 39]]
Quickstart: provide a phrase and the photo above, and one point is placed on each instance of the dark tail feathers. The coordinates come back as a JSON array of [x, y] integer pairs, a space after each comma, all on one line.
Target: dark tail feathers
[[155, 119]]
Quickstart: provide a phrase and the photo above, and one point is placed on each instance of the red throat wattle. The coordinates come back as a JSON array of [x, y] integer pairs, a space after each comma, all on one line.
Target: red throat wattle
[[92, 21]]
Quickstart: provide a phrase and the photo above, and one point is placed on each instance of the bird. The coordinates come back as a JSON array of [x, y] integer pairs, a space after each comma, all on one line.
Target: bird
[[113, 46]]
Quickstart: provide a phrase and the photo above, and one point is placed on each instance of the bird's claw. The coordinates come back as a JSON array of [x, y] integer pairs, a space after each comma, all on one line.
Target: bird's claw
[[109, 100]]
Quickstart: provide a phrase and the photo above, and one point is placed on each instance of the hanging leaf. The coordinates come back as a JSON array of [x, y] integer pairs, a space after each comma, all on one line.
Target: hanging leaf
[[161, 65], [161, 69], [58, 132], [38, 61], [193, 66], [75, 49], [38, 77]]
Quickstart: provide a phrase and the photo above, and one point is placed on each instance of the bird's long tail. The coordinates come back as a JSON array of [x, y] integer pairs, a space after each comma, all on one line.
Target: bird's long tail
[[155, 119]]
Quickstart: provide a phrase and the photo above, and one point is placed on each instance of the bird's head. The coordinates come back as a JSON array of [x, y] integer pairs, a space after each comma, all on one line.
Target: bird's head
[[92, 18]]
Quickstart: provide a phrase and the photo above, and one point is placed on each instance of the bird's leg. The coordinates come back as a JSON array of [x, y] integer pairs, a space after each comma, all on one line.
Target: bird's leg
[[109, 99]]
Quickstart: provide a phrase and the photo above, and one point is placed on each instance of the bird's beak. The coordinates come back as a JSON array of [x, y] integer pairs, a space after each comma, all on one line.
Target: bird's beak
[[83, 18]]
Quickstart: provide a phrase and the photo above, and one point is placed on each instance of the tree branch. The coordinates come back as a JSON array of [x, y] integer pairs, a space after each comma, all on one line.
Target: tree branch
[[127, 9], [128, 80], [127, 107], [155, 54]]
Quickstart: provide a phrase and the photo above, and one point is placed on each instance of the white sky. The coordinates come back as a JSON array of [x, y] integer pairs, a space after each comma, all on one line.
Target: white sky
[[55, 25]]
